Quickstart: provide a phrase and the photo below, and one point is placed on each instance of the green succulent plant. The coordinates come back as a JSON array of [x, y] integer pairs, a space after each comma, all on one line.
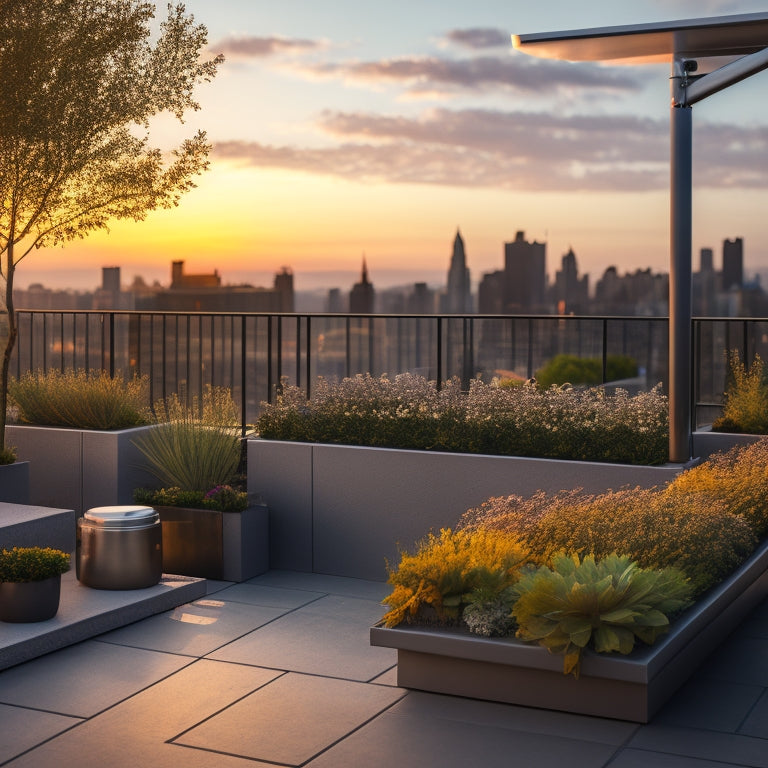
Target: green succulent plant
[[605, 605], [32, 563]]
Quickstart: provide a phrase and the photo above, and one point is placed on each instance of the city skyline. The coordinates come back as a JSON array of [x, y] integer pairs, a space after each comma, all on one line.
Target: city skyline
[[338, 132]]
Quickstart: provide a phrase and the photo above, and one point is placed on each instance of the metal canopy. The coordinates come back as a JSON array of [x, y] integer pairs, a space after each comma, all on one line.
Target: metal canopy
[[741, 44], [691, 39]]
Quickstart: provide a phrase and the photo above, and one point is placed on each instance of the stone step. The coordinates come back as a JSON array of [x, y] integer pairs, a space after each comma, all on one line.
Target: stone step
[[85, 613], [23, 525]]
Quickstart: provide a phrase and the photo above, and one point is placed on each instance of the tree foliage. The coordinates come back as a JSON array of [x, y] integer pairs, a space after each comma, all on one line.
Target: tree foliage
[[81, 81]]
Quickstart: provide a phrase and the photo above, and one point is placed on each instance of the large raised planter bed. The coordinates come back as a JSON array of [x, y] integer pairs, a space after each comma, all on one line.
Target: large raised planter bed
[[629, 687], [232, 546], [80, 468], [346, 510]]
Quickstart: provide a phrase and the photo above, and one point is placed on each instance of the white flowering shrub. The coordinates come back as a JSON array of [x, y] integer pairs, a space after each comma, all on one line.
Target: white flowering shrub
[[411, 412]]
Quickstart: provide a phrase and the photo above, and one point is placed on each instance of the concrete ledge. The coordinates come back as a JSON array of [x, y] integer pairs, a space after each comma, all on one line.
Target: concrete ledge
[[85, 613], [631, 687], [23, 525]]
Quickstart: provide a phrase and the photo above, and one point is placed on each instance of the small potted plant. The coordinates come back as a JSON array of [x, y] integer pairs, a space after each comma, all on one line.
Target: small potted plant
[[30, 583]]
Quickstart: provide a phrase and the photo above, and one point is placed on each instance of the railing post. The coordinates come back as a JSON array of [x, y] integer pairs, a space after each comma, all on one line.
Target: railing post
[[439, 352], [243, 377], [605, 349]]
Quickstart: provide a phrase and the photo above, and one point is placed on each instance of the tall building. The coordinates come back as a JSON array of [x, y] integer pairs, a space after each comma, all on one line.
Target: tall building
[[571, 292], [458, 294], [361, 297], [283, 287], [704, 285], [525, 276], [733, 264]]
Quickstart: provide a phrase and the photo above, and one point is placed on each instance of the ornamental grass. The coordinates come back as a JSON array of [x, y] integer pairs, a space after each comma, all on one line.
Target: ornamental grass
[[746, 398], [86, 400], [196, 444], [410, 412]]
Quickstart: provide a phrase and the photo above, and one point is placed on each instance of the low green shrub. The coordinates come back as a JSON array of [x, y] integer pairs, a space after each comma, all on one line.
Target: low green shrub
[[736, 479], [412, 413], [746, 399], [7, 455], [694, 533], [446, 572], [32, 563], [87, 400], [572, 369], [223, 498], [196, 445], [605, 604]]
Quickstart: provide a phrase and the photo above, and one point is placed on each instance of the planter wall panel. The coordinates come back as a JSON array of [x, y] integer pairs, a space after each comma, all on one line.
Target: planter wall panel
[[281, 474], [15, 486], [79, 469], [343, 510], [706, 442]]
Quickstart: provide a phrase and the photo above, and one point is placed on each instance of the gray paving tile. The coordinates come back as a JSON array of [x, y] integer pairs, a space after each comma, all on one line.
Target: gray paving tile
[[327, 637], [705, 745], [318, 582], [194, 629], [540, 721], [387, 678], [756, 624], [84, 679], [756, 723], [716, 705], [291, 719], [404, 737], [271, 597], [21, 729], [136, 731], [638, 758], [741, 659]]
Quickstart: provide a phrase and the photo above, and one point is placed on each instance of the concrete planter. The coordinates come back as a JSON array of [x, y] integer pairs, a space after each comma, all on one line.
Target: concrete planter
[[80, 468], [706, 442], [15, 486], [231, 546], [344, 510], [629, 687]]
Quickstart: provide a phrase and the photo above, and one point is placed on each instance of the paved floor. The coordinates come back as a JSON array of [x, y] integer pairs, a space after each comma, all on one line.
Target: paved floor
[[279, 671]]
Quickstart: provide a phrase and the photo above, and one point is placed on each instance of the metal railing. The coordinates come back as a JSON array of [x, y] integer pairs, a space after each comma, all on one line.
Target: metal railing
[[253, 353]]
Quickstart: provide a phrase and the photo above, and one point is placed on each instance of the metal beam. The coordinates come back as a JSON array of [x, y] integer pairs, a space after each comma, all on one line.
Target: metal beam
[[699, 88]]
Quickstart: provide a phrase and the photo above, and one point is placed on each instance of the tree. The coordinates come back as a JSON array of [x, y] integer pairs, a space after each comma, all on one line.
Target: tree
[[80, 81]]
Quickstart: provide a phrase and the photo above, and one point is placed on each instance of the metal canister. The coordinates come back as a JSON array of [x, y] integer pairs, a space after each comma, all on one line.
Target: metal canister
[[119, 548]]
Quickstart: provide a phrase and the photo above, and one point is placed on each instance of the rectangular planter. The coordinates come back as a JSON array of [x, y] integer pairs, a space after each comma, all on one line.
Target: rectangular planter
[[80, 468], [631, 687], [347, 510], [15, 486], [230, 546]]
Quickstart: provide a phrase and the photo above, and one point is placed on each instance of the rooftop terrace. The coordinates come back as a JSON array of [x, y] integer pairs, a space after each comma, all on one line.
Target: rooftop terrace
[[279, 671]]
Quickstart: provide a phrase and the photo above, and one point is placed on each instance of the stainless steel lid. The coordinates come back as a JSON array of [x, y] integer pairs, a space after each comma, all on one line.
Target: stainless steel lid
[[125, 517]]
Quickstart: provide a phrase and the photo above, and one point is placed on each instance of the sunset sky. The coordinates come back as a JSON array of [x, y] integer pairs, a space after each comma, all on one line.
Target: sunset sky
[[349, 128]]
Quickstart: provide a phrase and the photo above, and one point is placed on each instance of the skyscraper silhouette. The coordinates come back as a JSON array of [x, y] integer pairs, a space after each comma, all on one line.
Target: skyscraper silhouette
[[458, 295], [361, 297]]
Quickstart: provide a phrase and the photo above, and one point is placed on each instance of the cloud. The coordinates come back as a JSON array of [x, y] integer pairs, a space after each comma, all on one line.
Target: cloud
[[511, 73], [262, 47], [513, 150], [477, 38]]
